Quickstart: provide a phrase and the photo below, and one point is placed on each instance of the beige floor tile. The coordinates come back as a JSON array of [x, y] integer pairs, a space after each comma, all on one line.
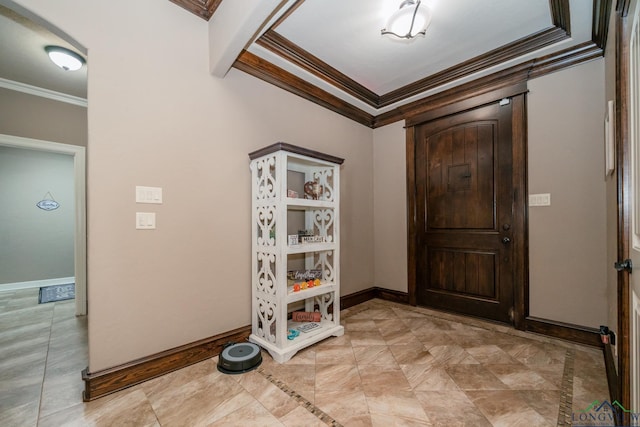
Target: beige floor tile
[[396, 405], [335, 356], [301, 417], [395, 365], [544, 402], [269, 395], [474, 377], [451, 408], [131, 407], [519, 377], [381, 377], [374, 355], [490, 354], [370, 337], [298, 377], [413, 353], [364, 325], [430, 376], [200, 401], [506, 409], [337, 377], [390, 326], [452, 355], [250, 415], [348, 408], [536, 353]]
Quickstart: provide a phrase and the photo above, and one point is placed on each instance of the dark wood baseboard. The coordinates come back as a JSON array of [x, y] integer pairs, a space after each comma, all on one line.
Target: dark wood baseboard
[[612, 375], [564, 331], [348, 301], [102, 383], [359, 297]]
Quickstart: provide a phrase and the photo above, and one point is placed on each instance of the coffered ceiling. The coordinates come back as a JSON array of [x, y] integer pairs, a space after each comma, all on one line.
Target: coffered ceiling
[[331, 52]]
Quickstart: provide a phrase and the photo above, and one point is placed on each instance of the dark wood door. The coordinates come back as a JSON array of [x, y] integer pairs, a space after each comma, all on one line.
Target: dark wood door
[[464, 213]]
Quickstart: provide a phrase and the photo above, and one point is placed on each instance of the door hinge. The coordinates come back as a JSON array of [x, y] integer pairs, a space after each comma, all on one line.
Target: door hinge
[[625, 265], [504, 101]]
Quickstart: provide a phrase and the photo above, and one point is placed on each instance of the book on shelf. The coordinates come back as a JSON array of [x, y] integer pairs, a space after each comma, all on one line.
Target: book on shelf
[[306, 316]]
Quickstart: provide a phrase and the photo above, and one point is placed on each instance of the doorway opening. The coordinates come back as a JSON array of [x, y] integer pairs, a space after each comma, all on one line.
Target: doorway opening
[[80, 233]]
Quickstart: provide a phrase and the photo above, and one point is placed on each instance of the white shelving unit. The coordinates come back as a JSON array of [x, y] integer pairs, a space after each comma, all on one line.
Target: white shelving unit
[[281, 208]]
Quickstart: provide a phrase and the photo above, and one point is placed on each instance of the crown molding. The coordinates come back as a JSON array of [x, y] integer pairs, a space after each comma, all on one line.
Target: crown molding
[[264, 70], [43, 93], [202, 8]]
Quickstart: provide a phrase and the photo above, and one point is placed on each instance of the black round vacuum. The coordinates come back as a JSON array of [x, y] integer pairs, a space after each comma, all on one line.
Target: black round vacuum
[[239, 358]]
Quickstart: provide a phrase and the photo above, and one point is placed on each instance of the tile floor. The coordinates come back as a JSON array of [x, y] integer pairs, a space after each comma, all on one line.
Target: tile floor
[[395, 366]]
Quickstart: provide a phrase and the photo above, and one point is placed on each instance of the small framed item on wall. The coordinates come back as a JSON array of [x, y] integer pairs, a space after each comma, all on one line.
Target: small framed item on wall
[[609, 140]]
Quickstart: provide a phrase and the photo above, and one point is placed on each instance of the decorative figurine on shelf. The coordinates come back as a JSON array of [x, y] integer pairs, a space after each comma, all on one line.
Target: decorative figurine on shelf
[[296, 287], [316, 282], [313, 190]]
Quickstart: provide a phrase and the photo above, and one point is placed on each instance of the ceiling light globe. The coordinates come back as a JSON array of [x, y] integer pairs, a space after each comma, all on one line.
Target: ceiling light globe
[[65, 58], [399, 24]]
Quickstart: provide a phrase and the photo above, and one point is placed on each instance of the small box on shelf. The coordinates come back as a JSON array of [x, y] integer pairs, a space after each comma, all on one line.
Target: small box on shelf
[[306, 316]]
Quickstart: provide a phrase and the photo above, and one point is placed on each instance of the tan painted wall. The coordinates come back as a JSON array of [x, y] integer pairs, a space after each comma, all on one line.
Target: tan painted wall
[[390, 207], [567, 240], [160, 121], [34, 117]]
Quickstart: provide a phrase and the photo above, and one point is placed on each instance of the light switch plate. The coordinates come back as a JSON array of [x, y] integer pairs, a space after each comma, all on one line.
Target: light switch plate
[[148, 195], [540, 199], [145, 220]]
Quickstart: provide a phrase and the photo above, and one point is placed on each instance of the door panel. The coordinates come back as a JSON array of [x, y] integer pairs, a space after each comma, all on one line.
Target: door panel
[[460, 168], [464, 204]]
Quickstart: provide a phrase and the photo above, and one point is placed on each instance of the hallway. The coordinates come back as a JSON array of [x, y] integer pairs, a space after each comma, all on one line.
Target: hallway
[[43, 349]]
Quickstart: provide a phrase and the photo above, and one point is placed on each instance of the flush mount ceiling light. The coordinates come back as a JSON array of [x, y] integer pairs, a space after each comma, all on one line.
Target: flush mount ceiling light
[[409, 21], [64, 58]]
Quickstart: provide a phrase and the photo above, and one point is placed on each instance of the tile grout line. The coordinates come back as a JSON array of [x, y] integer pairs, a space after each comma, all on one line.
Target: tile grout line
[[46, 360], [323, 416], [566, 390]]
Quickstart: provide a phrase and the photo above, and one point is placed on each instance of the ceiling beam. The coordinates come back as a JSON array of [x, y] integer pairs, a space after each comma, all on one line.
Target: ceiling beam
[[234, 26]]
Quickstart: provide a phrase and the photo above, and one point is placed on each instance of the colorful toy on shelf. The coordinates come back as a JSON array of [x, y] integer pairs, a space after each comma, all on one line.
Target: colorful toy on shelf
[[296, 287], [310, 284], [316, 282], [304, 285], [292, 333]]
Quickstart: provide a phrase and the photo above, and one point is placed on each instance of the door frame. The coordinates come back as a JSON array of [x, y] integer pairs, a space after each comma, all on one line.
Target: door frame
[[79, 178], [624, 197], [520, 214]]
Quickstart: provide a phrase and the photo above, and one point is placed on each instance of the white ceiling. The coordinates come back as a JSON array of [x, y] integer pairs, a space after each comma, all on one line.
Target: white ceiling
[[345, 36], [25, 61]]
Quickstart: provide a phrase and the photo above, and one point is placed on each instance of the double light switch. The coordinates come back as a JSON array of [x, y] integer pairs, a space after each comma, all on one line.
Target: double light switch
[[153, 195]]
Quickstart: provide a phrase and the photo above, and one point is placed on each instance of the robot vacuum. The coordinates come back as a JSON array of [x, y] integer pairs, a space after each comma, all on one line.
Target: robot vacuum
[[239, 358]]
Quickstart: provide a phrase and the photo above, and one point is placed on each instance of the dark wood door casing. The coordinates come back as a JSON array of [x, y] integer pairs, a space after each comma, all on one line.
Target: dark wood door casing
[[476, 220]]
